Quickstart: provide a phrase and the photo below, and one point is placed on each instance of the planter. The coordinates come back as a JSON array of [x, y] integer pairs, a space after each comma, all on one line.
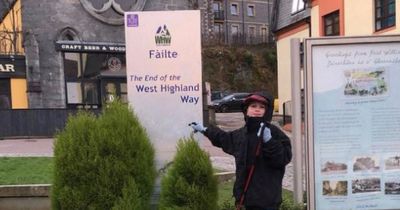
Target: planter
[[25, 197]]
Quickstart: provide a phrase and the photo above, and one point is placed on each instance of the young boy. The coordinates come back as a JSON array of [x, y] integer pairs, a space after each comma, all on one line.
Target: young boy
[[261, 152]]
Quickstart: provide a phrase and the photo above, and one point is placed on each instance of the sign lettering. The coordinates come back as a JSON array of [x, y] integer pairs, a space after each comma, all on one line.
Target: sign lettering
[[7, 68], [89, 47]]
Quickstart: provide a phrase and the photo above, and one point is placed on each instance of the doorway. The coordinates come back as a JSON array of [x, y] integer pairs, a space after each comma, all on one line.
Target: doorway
[[5, 94]]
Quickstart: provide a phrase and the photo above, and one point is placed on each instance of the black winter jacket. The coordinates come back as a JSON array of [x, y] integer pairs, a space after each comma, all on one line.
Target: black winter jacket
[[265, 188]]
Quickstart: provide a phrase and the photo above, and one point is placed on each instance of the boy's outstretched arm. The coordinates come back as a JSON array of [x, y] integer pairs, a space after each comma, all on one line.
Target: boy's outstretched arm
[[218, 137]]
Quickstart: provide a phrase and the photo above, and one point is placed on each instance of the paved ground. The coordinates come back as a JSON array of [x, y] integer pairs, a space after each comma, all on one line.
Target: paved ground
[[26, 147], [220, 160]]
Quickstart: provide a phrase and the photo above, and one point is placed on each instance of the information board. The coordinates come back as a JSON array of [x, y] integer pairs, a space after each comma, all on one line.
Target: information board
[[353, 122]]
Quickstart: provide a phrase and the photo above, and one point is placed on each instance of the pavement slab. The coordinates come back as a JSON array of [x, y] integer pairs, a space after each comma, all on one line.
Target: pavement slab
[[26, 148]]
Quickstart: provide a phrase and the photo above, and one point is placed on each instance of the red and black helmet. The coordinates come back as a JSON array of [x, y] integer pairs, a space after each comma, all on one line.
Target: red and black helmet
[[255, 97]]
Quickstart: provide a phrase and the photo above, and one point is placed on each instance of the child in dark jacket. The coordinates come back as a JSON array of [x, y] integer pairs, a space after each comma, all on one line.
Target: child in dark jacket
[[261, 152]]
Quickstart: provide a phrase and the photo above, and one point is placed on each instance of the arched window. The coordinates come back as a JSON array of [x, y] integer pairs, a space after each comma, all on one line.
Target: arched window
[[68, 34], [68, 37]]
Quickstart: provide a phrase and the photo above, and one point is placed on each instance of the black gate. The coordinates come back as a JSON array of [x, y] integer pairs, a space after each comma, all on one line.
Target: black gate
[[34, 122]]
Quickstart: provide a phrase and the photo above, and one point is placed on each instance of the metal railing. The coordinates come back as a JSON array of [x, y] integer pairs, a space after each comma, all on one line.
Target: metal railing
[[219, 15], [236, 39]]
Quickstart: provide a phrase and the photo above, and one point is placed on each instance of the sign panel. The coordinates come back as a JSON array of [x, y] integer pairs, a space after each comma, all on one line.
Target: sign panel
[[94, 47], [12, 66], [353, 120], [163, 53]]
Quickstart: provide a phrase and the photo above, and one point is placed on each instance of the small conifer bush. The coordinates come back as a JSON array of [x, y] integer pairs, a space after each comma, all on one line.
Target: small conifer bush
[[104, 162], [189, 183], [130, 197]]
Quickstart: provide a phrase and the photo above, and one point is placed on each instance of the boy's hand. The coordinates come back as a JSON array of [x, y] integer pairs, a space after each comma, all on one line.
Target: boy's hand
[[267, 135], [197, 127]]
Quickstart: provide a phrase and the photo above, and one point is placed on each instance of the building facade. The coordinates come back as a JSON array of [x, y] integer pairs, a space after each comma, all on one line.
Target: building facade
[[316, 18], [242, 21], [12, 61], [74, 51]]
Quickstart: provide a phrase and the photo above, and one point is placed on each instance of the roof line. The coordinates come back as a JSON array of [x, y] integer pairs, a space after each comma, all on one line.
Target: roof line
[[292, 24], [12, 3], [275, 15]]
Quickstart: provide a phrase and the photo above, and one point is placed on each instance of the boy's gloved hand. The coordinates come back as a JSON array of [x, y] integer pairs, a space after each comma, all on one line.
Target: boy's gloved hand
[[198, 127], [267, 135]]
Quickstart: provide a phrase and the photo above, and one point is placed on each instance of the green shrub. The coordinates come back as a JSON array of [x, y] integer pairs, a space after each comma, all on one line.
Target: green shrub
[[248, 58], [189, 183], [270, 58], [229, 204], [288, 202], [130, 197], [103, 163], [240, 69]]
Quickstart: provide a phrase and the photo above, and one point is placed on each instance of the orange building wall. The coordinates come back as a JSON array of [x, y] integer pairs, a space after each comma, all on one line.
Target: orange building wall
[[19, 96], [292, 30], [13, 22], [327, 7]]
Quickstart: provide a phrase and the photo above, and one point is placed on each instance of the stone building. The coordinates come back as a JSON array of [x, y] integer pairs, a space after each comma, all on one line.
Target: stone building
[[241, 21]]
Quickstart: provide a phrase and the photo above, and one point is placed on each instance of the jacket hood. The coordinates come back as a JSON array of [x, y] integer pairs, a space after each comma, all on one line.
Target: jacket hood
[[262, 97]]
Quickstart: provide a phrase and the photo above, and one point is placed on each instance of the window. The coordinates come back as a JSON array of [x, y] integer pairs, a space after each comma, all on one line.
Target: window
[[250, 10], [235, 30], [217, 10], [235, 36], [252, 34], [252, 31], [297, 6], [81, 86], [68, 37], [217, 6], [234, 9], [218, 32], [74, 93], [385, 14], [72, 65], [331, 24], [5, 94], [90, 93], [217, 28], [82, 72], [124, 92], [264, 35], [68, 34], [111, 91]]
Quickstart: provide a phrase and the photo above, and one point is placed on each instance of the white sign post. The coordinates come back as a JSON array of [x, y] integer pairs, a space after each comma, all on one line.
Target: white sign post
[[163, 54], [353, 121]]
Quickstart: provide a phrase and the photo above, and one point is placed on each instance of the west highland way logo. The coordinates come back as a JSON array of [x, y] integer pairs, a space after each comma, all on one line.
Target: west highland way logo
[[163, 37]]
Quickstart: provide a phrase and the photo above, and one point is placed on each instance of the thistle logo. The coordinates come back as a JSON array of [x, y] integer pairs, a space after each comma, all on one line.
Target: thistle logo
[[163, 37]]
